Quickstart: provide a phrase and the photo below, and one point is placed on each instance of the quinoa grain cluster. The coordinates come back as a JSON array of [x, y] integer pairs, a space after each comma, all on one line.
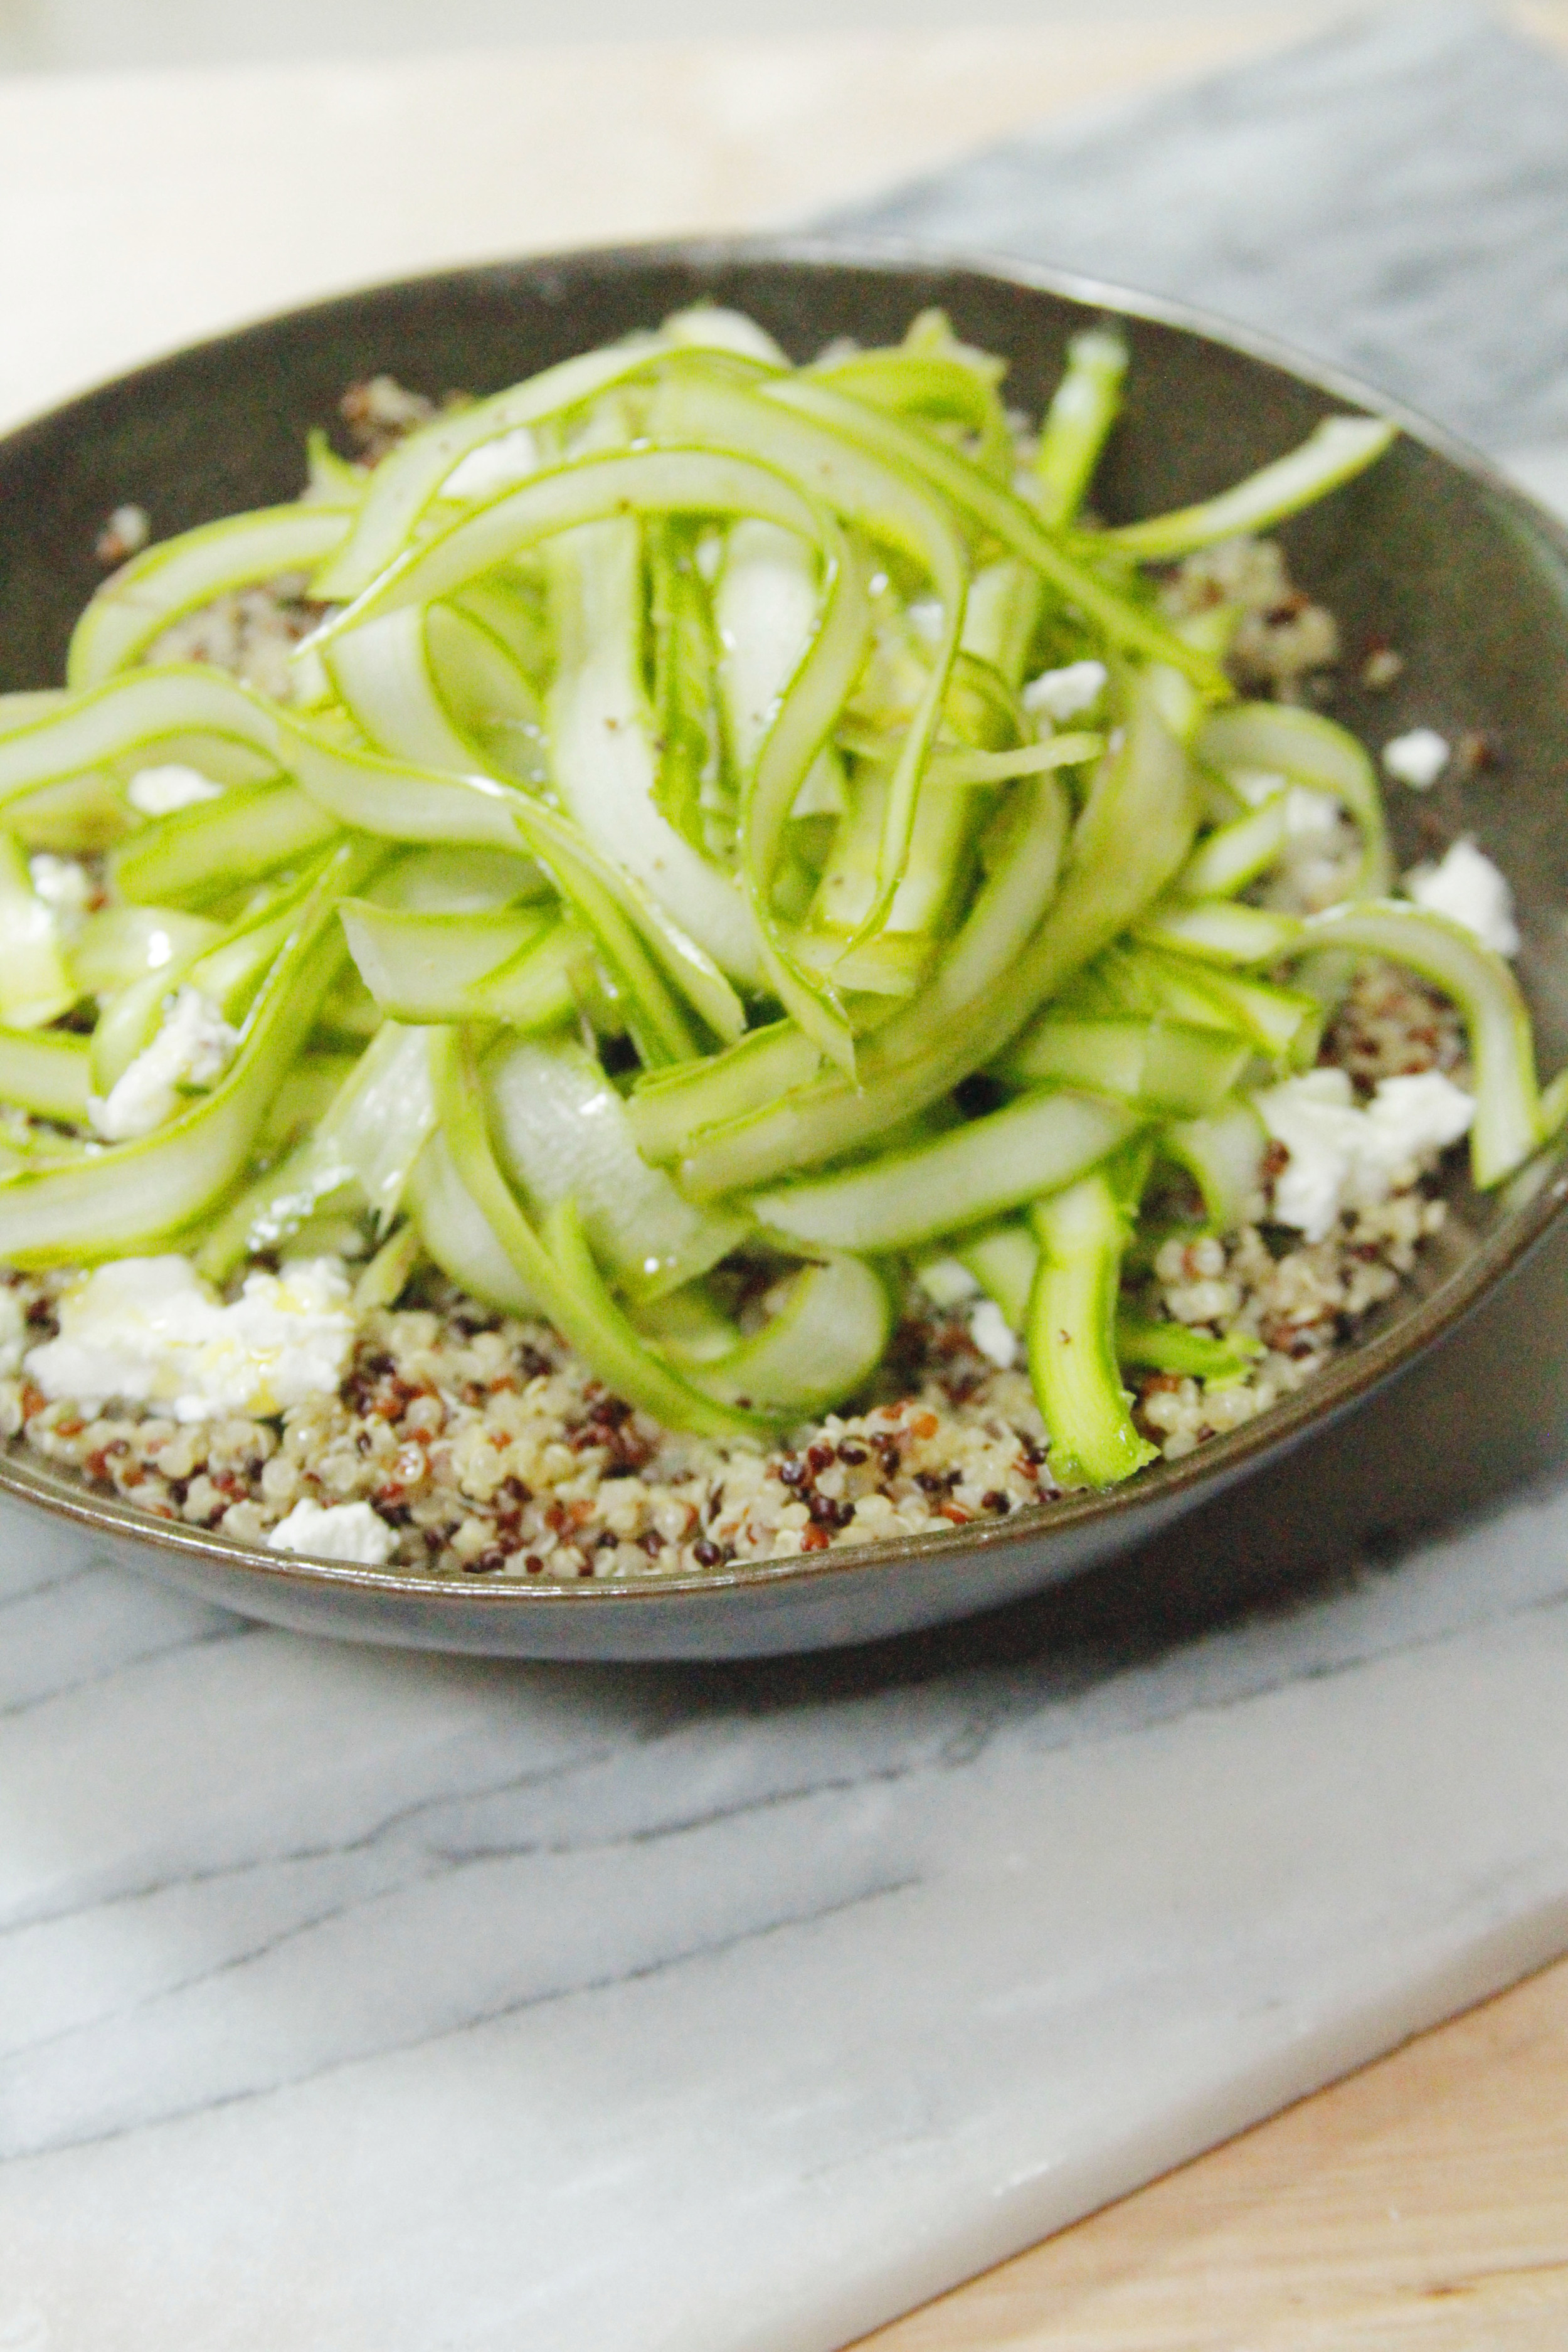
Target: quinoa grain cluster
[[491, 1450]]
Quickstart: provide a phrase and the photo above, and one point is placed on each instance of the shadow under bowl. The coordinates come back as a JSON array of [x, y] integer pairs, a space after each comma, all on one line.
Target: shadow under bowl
[[1428, 551]]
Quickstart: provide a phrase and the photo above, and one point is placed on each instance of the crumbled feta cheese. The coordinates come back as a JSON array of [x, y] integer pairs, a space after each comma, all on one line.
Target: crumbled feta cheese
[[1314, 1117], [192, 1048], [1416, 1116], [1418, 758], [150, 1331], [1466, 886], [1311, 818], [1342, 1157], [159, 792], [339, 1531], [946, 1282], [1060, 694], [13, 1331], [993, 1334], [62, 883], [493, 466]]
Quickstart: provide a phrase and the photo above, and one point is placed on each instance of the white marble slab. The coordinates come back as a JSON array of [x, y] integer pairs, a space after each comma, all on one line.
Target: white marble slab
[[390, 2004]]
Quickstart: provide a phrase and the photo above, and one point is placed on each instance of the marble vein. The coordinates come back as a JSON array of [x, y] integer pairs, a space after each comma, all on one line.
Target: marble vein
[[751, 1802], [1264, 1858], [38, 2091]]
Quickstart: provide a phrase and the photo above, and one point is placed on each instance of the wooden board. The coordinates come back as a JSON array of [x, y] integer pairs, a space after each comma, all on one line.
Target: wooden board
[[1421, 2206]]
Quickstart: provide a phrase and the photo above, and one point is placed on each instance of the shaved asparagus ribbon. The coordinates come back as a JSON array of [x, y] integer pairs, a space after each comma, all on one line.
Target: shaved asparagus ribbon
[[133, 1196], [664, 718], [599, 489], [1081, 1232], [1335, 451], [1083, 411], [178, 576], [1510, 1122], [1307, 748]]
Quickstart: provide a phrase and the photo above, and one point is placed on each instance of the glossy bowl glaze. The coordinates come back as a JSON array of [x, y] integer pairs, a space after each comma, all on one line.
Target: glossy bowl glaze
[[1429, 551]]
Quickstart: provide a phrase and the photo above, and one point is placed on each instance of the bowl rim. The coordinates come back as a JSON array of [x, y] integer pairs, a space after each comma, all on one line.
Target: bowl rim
[[1220, 1461]]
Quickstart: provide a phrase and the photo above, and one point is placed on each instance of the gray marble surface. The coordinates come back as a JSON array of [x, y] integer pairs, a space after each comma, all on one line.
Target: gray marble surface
[[387, 2004], [361, 2002], [1392, 195]]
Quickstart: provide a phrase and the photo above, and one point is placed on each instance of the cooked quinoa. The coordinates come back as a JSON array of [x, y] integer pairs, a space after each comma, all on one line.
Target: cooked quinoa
[[1285, 643], [250, 633], [490, 1450]]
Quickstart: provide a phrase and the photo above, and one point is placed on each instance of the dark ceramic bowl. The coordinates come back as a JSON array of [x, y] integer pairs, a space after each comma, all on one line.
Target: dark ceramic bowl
[[1429, 550]]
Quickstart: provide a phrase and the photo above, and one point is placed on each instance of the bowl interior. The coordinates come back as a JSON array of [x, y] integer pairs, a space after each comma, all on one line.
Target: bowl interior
[[1425, 553]]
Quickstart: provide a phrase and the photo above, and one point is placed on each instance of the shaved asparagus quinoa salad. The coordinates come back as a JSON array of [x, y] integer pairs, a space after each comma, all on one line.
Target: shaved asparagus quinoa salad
[[695, 962]]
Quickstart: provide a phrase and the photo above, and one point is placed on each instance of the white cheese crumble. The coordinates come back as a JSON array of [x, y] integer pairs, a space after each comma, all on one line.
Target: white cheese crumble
[[1466, 886], [493, 466], [192, 1048], [335, 1531], [148, 1329], [993, 1334], [1061, 694], [1311, 818], [1343, 1156], [946, 1282], [63, 884], [159, 792], [1418, 758]]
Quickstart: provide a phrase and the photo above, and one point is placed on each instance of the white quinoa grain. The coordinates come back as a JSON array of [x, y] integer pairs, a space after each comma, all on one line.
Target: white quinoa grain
[[1202, 1302], [125, 534], [1381, 668]]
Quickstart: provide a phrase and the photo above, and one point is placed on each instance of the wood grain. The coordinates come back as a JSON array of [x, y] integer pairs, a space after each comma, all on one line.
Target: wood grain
[[1421, 2205]]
